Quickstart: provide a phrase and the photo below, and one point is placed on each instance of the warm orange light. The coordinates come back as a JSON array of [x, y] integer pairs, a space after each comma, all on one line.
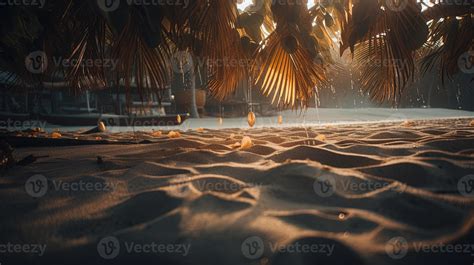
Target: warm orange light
[[251, 119]]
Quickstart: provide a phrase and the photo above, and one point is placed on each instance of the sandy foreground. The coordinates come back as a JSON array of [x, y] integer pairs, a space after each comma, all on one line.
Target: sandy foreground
[[380, 193]]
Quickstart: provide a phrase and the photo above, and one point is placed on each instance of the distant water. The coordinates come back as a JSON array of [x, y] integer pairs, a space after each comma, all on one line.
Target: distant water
[[310, 117]]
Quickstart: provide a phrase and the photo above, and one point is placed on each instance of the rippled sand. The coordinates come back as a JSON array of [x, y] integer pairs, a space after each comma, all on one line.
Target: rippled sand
[[387, 181]]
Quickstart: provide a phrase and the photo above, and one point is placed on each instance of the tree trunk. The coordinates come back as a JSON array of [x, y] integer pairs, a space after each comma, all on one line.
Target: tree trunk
[[194, 110]]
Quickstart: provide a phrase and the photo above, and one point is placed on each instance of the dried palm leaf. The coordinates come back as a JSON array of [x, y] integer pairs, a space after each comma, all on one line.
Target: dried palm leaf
[[148, 69], [450, 38], [86, 42], [290, 77], [215, 24], [385, 61]]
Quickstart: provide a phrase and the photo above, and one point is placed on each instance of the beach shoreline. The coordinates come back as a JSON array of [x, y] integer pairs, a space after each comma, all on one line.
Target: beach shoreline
[[393, 184]]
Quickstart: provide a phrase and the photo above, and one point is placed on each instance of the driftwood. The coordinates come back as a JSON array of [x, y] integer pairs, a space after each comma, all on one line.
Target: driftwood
[[7, 160], [29, 160], [6, 155]]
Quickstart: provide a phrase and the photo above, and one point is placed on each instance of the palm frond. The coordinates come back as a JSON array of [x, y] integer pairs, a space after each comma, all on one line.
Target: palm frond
[[140, 65], [286, 65], [385, 59], [214, 23], [450, 38]]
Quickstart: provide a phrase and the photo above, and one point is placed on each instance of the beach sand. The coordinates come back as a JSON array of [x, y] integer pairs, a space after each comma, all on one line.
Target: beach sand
[[379, 193]]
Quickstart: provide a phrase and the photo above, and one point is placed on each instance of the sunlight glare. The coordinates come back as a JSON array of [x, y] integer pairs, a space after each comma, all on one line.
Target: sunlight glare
[[243, 4]]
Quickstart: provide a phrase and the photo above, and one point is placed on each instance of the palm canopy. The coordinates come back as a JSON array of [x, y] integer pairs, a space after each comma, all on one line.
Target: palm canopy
[[284, 47]]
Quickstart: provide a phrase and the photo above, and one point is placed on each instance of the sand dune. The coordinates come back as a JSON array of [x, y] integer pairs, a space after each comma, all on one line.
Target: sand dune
[[199, 191]]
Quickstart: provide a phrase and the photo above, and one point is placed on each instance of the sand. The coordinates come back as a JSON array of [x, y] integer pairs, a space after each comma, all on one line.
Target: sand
[[379, 193]]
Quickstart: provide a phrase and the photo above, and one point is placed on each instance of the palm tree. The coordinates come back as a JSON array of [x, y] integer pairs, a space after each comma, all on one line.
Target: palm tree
[[286, 49]]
